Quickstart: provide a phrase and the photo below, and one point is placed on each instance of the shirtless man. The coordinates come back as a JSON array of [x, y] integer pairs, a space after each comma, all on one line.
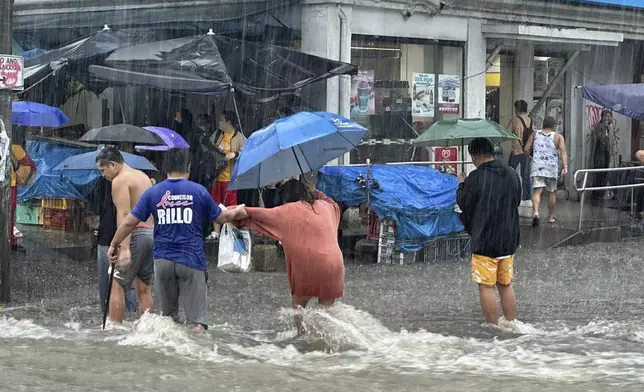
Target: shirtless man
[[135, 262]]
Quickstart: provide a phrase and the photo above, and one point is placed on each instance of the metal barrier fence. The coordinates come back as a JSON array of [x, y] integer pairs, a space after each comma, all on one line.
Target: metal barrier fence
[[584, 188]]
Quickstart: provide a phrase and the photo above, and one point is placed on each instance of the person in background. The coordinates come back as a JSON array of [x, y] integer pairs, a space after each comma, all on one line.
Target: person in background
[[204, 125], [231, 141], [100, 202], [285, 112], [23, 171], [183, 123], [135, 263], [521, 126], [604, 151], [307, 226], [178, 207], [489, 199], [547, 147]]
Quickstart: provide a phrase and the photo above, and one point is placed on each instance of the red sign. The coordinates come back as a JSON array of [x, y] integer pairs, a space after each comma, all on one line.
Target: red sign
[[446, 154]]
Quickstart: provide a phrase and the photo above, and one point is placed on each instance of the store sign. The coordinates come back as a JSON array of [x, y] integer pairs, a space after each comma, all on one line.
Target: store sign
[[621, 3], [449, 94], [446, 154], [11, 72]]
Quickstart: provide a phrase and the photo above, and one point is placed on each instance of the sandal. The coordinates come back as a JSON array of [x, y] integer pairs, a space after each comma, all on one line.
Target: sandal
[[552, 220]]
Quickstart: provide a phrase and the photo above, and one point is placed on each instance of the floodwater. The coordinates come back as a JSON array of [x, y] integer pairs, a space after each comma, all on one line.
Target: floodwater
[[410, 327]]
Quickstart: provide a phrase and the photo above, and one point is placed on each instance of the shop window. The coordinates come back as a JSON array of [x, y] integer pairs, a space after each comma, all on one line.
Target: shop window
[[545, 69], [403, 87]]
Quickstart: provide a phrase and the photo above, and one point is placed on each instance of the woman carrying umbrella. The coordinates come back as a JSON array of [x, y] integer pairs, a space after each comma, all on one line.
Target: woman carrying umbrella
[[230, 141], [307, 225]]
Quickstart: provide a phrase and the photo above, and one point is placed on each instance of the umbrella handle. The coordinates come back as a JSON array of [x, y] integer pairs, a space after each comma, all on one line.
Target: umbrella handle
[[109, 294]]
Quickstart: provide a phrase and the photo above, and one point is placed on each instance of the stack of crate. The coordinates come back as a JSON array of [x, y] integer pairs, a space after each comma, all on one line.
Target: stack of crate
[[29, 213], [61, 214]]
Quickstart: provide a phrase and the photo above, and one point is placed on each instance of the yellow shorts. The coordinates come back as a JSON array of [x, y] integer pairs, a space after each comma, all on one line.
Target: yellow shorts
[[489, 270]]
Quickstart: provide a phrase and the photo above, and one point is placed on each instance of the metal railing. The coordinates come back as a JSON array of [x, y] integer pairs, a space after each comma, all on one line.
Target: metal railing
[[584, 188], [413, 163]]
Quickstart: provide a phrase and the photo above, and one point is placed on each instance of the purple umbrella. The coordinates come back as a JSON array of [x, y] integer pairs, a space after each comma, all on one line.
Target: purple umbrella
[[170, 137]]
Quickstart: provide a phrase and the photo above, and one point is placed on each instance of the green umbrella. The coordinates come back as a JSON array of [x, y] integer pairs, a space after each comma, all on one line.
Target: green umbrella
[[462, 131]]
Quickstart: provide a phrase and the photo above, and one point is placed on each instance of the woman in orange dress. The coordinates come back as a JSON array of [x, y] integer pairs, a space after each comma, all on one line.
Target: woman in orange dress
[[307, 225]]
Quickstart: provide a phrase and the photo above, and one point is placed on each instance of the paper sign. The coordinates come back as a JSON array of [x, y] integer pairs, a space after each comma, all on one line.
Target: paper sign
[[449, 94], [11, 72], [5, 150], [423, 95]]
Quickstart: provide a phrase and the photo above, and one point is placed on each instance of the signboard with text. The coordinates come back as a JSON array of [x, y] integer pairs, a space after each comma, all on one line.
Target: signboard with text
[[11, 72], [449, 94], [446, 154]]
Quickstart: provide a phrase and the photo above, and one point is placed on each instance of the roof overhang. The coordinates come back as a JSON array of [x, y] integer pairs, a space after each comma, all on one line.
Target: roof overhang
[[540, 34]]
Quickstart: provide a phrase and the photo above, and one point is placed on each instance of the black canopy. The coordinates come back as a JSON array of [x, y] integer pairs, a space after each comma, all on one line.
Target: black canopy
[[211, 64]]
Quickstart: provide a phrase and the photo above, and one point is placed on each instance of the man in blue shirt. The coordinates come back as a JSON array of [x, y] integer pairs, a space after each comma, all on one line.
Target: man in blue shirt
[[179, 207]]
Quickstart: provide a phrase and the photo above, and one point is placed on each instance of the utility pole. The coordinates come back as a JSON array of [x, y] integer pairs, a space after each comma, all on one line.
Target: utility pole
[[6, 36]]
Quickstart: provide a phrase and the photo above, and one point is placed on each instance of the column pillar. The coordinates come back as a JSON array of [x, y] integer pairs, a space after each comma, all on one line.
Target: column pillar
[[326, 33], [475, 66], [523, 86]]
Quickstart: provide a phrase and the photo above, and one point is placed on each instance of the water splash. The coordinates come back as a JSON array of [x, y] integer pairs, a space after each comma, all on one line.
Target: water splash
[[11, 328], [163, 334]]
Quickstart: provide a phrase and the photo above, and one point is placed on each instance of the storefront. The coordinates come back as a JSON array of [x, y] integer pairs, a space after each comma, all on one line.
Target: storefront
[[416, 68], [404, 86]]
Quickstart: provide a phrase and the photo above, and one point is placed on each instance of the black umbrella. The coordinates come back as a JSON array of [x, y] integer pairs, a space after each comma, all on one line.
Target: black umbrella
[[121, 133]]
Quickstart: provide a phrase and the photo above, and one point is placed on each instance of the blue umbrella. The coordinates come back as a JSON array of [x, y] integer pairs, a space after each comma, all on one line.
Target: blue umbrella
[[87, 161], [294, 145], [31, 114]]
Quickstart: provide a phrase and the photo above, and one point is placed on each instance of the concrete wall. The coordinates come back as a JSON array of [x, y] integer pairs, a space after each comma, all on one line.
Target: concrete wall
[[385, 22]]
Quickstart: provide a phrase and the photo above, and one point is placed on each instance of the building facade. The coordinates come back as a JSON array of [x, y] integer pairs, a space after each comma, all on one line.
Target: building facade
[[421, 60]]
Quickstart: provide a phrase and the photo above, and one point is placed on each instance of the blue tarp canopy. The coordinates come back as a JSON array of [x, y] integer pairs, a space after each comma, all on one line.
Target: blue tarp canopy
[[626, 99], [50, 184], [419, 199], [619, 3]]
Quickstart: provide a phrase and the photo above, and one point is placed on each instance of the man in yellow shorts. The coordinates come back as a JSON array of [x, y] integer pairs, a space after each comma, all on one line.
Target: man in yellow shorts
[[489, 198]]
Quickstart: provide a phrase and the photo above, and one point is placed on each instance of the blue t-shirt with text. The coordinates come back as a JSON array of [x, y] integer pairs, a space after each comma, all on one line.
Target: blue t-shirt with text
[[179, 208]]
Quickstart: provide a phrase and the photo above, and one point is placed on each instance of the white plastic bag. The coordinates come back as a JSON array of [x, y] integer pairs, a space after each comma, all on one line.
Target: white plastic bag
[[234, 249]]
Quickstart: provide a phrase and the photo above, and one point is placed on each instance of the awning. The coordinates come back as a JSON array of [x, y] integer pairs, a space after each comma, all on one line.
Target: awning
[[208, 64], [625, 99], [38, 14], [551, 35]]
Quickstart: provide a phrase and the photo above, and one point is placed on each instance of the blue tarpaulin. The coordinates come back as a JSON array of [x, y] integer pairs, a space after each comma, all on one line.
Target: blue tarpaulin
[[50, 184], [626, 99], [419, 199]]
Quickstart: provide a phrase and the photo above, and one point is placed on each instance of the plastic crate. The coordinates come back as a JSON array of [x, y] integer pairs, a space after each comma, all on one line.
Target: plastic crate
[[447, 248], [29, 215], [59, 204], [57, 219]]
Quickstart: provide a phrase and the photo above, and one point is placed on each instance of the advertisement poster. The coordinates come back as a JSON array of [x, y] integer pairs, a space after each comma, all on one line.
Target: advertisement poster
[[446, 154], [362, 96], [538, 117], [449, 94], [554, 109], [423, 95]]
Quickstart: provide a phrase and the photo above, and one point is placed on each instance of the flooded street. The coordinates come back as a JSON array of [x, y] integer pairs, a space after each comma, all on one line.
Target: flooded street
[[410, 327]]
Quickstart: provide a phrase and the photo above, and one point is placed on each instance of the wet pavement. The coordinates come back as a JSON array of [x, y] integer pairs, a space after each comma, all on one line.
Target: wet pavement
[[409, 327]]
